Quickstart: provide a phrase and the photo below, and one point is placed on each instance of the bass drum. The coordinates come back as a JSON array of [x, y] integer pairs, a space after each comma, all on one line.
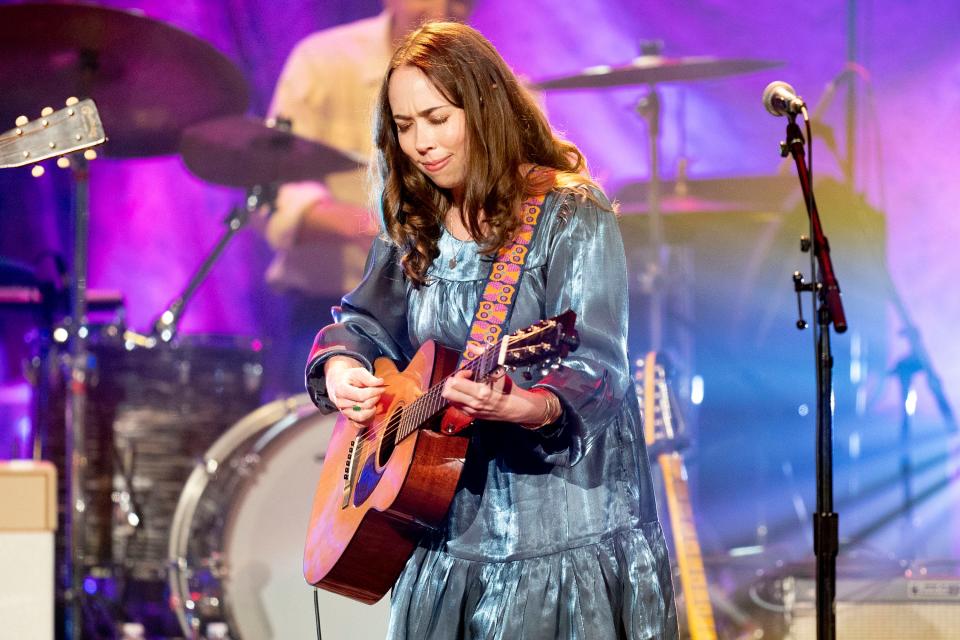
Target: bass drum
[[236, 543]]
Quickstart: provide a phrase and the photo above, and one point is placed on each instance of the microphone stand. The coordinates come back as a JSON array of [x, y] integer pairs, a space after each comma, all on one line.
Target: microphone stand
[[828, 309]]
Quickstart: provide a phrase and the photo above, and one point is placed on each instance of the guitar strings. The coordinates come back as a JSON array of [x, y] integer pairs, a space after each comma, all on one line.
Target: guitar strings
[[486, 358], [14, 139]]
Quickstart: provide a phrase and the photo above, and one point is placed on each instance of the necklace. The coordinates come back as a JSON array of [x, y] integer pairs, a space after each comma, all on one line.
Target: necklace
[[456, 257]]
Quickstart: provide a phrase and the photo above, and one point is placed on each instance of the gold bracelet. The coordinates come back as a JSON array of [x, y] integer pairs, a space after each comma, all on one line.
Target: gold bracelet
[[551, 411]]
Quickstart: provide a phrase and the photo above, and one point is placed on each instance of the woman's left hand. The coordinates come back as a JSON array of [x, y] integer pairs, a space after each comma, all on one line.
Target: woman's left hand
[[497, 398]]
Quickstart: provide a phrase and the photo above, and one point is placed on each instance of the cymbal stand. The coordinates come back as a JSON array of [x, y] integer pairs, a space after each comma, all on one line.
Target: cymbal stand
[[828, 309], [916, 360], [166, 325], [75, 459], [649, 108]]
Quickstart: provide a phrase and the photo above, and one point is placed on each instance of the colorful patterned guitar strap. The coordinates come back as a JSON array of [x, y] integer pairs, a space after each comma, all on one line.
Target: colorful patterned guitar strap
[[496, 303]]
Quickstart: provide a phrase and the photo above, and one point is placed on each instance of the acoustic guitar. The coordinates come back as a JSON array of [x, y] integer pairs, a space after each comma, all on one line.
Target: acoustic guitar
[[383, 486]]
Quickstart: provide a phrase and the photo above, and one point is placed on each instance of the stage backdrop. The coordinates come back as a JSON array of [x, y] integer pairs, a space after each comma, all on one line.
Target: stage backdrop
[[152, 222]]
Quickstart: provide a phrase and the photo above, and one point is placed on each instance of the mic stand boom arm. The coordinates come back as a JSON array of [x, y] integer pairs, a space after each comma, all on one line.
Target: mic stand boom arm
[[827, 285], [828, 310]]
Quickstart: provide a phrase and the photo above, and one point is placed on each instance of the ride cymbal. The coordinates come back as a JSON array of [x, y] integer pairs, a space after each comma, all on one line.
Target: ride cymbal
[[150, 80], [648, 69]]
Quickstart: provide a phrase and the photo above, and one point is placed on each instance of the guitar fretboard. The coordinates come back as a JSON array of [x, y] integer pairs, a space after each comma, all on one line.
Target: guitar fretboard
[[693, 579], [423, 409]]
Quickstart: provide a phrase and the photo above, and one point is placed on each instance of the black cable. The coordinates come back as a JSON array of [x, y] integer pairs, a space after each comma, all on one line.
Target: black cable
[[316, 613]]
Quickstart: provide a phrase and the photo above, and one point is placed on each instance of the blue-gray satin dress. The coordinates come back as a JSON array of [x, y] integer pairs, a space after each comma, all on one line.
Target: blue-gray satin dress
[[552, 533]]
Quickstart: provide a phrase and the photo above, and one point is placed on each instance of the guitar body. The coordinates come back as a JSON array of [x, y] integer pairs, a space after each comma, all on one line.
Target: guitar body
[[376, 497]]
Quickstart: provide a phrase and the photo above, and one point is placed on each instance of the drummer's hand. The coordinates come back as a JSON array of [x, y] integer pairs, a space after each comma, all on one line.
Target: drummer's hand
[[352, 389], [497, 398]]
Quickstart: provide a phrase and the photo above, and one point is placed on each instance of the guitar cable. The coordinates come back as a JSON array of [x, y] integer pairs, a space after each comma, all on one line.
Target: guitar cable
[[316, 612]]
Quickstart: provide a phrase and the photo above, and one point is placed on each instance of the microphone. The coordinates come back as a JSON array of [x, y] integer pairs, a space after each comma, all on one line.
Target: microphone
[[780, 99]]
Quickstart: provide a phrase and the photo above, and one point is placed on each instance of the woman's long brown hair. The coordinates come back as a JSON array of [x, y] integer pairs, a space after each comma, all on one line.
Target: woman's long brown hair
[[506, 130]]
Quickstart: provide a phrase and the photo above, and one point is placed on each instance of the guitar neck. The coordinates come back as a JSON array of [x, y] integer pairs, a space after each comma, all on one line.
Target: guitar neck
[[692, 575], [544, 343], [422, 410]]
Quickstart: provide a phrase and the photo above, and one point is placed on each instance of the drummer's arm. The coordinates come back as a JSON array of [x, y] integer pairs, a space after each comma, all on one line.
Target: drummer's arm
[[307, 211]]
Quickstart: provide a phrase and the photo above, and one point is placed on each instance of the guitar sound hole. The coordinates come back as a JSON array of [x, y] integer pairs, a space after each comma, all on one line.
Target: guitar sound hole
[[388, 441]]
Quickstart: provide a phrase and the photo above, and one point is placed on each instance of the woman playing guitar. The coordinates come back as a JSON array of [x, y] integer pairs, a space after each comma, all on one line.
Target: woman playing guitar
[[552, 531]]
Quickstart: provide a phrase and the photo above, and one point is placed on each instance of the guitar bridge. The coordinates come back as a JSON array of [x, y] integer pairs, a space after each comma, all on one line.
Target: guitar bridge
[[350, 470]]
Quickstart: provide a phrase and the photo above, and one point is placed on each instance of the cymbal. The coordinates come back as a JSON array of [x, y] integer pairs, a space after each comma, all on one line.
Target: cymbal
[[243, 151], [655, 69], [680, 204], [150, 80], [709, 195]]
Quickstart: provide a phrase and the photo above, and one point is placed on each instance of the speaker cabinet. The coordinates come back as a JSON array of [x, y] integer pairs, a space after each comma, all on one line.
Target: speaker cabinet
[[898, 609], [28, 518]]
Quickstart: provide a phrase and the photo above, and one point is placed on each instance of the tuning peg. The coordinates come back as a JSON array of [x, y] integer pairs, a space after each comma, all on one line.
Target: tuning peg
[[90, 154], [21, 121], [555, 366], [37, 171], [46, 111], [63, 162], [72, 100]]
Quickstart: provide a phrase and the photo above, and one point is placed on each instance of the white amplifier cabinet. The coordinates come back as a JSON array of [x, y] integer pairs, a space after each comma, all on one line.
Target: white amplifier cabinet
[[879, 609], [28, 519]]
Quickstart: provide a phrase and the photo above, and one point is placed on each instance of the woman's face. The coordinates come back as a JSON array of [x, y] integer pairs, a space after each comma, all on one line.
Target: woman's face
[[432, 131]]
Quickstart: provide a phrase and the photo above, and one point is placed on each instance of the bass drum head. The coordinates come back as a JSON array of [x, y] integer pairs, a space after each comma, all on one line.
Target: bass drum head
[[237, 545]]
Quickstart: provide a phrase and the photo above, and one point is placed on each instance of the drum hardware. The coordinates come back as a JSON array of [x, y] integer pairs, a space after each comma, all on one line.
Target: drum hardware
[[75, 127], [258, 199], [112, 56], [240, 151], [652, 68], [238, 531], [117, 58], [150, 415], [741, 195], [243, 151]]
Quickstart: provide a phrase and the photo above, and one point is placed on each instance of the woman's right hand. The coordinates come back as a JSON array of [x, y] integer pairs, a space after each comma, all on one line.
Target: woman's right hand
[[352, 389]]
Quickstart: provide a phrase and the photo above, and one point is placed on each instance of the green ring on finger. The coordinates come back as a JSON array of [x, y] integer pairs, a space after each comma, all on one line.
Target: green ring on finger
[[357, 407]]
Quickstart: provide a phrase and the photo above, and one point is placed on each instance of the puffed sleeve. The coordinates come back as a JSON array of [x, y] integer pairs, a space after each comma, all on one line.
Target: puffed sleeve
[[371, 322], [587, 272]]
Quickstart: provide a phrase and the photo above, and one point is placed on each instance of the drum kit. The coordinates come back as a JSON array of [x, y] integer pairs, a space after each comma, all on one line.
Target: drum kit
[[178, 487]]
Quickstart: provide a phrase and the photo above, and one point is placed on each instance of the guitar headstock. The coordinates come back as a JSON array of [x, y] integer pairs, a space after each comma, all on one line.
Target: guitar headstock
[[543, 343], [76, 127], [663, 424]]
